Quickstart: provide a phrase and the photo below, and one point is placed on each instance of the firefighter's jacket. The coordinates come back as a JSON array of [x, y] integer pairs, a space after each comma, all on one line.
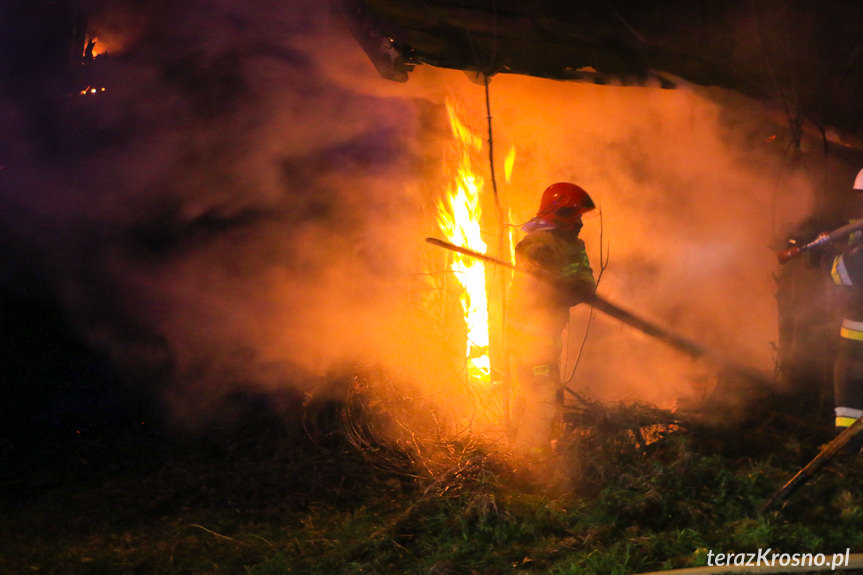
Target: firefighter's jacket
[[552, 274], [847, 271]]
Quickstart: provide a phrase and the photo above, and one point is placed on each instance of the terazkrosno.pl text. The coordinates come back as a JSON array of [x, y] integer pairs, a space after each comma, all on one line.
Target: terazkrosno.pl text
[[769, 558]]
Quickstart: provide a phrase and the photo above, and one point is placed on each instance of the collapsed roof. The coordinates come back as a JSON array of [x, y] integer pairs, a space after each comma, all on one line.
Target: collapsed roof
[[806, 56]]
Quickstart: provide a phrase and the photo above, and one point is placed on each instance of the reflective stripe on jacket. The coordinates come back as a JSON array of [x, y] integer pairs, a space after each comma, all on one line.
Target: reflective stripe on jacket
[[852, 329], [847, 271], [839, 272]]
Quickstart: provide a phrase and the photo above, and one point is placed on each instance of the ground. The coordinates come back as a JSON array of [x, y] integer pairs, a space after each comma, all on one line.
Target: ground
[[272, 493]]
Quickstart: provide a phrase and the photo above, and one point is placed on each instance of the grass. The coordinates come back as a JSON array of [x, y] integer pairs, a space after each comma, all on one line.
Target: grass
[[268, 496]]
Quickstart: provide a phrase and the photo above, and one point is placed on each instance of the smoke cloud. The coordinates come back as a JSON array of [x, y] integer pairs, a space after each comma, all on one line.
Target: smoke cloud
[[692, 185], [245, 205]]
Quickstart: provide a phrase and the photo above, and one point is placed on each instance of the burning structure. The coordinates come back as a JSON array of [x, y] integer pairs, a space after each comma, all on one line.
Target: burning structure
[[243, 205], [755, 51]]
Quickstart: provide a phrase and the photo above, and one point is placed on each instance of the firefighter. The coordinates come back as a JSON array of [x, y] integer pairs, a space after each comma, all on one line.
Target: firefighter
[[553, 273], [847, 271]]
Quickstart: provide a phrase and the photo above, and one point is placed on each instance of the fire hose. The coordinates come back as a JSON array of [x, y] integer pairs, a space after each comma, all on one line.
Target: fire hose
[[823, 239], [679, 342], [824, 456]]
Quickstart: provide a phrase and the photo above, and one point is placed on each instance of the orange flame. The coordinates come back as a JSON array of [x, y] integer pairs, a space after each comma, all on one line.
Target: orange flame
[[459, 216], [95, 47]]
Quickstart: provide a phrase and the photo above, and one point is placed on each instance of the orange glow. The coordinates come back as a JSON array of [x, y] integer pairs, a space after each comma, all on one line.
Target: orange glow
[[508, 164], [106, 42], [98, 47], [459, 216]]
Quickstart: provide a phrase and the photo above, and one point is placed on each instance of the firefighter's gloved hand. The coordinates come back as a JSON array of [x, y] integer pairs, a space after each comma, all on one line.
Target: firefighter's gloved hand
[[580, 293]]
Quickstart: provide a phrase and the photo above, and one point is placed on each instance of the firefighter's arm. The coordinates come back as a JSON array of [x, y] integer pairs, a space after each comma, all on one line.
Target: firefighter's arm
[[577, 279], [572, 281], [541, 261], [847, 267], [579, 290]]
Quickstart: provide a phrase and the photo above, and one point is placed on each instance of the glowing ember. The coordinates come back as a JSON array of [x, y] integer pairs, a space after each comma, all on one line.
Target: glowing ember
[[459, 216], [91, 90]]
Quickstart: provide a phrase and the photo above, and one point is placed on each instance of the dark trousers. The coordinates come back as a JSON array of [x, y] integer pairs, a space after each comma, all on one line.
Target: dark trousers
[[848, 381]]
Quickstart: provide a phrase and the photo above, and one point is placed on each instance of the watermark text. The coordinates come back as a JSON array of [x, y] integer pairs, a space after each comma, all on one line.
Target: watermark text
[[769, 558]]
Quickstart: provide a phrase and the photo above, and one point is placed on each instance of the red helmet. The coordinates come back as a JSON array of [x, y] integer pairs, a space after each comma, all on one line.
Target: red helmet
[[563, 204]]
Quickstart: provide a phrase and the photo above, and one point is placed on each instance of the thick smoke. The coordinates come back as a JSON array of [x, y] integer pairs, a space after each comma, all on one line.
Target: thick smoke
[[224, 214], [689, 205], [246, 203]]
